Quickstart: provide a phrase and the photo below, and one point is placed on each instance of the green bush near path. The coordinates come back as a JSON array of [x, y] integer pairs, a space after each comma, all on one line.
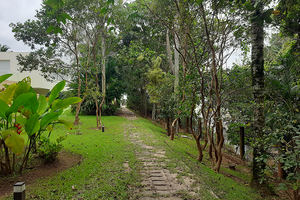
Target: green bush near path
[[101, 174]]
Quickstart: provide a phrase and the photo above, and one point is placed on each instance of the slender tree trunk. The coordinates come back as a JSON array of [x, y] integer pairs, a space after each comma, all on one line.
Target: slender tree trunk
[[145, 103], [176, 60], [76, 121], [257, 69], [169, 53], [168, 126], [7, 160], [187, 125], [153, 112], [217, 148], [97, 114], [103, 70], [200, 155]]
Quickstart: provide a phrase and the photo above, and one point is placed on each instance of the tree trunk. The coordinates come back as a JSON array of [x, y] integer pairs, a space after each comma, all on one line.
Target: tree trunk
[[103, 70], [281, 172], [169, 53], [257, 70], [176, 60], [76, 122], [187, 125], [153, 112], [97, 114], [200, 155], [145, 104], [168, 126]]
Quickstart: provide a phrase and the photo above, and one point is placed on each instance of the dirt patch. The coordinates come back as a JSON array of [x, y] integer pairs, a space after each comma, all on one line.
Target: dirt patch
[[125, 112], [65, 161]]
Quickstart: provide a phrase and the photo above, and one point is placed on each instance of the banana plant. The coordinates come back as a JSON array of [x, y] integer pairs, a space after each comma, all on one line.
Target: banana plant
[[23, 112]]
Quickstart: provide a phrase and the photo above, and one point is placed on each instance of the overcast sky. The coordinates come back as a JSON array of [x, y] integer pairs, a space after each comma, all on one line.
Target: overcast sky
[[16, 11]]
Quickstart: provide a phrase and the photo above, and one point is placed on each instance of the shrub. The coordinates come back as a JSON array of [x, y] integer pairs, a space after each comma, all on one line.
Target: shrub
[[49, 150]]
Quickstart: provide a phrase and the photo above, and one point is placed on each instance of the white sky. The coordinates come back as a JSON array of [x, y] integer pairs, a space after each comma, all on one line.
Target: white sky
[[16, 11]]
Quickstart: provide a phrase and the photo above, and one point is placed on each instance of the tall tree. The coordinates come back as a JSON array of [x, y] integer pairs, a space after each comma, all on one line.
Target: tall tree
[[257, 68]]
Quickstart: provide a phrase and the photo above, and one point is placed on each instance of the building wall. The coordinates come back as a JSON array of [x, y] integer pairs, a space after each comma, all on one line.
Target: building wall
[[9, 65]]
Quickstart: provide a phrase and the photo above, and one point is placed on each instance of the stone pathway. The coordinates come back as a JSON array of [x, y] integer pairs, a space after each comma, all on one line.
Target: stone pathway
[[157, 181]]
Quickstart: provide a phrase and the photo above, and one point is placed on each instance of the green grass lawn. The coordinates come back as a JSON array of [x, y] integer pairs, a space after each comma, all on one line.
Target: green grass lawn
[[101, 174]]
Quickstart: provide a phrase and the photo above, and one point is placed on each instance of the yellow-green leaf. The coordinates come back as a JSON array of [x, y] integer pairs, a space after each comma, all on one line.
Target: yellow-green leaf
[[68, 125], [65, 103], [5, 133], [49, 128], [15, 142], [3, 108], [4, 77], [8, 93]]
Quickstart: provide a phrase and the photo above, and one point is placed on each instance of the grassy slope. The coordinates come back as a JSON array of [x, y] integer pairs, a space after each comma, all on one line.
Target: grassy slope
[[101, 174], [182, 153]]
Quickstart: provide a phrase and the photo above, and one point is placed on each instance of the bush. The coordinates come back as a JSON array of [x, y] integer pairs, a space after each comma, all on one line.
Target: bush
[[49, 150]]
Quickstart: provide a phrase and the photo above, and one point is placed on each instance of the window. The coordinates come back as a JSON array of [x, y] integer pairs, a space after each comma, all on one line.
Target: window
[[4, 67]]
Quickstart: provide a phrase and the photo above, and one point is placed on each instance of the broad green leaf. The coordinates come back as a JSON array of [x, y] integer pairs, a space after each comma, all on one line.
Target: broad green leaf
[[59, 30], [32, 104], [43, 105], [65, 103], [267, 15], [68, 125], [3, 108], [22, 87], [50, 29], [66, 16], [19, 101], [249, 7], [15, 142], [48, 118], [32, 125], [55, 91], [8, 93], [103, 10], [5, 133], [4, 77], [21, 120]]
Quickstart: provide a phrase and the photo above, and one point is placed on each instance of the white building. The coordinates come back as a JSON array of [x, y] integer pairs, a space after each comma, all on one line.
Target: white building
[[9, 65]]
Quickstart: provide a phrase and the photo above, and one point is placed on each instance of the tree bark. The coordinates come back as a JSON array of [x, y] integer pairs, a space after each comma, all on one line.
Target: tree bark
[[169, 53], [168, 126], [103, 70], [257, 70], [187, 125], [153, 112]]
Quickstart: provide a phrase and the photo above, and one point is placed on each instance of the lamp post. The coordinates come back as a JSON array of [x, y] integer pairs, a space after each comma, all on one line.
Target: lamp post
[[19, 191], [103, 128]]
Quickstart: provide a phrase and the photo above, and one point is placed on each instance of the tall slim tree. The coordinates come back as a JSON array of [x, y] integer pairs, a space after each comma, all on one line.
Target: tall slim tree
[[257, 69]]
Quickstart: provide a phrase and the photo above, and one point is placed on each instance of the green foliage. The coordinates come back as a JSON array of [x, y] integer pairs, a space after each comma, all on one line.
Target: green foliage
[[234, 133], [49, 150], [156, 78], [284, 137], [288, 16], [22, 111]]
